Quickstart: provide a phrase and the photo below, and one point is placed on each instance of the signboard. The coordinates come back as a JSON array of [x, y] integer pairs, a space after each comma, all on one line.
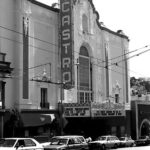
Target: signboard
[[66, 41], [107, 113], [107, 109], [76, 110]]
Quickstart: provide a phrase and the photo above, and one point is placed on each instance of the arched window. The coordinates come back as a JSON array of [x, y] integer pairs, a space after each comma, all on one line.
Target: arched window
[[85, 23], [84, 77]]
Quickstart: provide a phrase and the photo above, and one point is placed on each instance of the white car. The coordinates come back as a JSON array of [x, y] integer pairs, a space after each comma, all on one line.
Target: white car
[[104, 142], [126, 141], [20, 144]]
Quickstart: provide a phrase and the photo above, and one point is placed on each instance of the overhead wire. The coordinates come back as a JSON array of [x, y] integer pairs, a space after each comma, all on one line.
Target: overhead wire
[[103, 61], [125, 59], [128, 53]]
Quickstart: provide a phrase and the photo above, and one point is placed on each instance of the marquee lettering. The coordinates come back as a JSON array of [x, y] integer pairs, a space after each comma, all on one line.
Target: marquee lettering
[[77, 111], [66, 77], [67, 7], [66, 62], [66, 41], [107, 113], [66, 34], [66, 20]]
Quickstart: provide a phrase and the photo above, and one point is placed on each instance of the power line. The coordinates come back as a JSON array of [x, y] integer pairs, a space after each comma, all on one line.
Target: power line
[[74, 51], [131, 57], [28, 36], [129, 52], [103, 61], [2, 37]]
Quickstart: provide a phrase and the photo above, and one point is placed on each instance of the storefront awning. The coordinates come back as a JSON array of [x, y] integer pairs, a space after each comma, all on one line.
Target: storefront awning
[[36, 119]]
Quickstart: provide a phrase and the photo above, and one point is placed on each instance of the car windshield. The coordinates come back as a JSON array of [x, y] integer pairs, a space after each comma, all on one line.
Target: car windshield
[[102, 138], [7, 142], [142, 137], [58, 141], [122, 139], [81, 138]]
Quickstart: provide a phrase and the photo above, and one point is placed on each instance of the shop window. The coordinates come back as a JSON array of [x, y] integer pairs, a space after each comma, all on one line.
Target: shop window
[[113, 130], [44, 95], [122, 131], [116, 98]]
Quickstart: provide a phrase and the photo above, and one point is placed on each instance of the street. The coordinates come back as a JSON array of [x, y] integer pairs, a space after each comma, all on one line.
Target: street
[[135, 148]]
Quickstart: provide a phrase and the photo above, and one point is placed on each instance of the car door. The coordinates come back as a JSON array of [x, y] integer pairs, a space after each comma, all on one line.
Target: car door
[[127, 141], [20, 144], [70, 145], [84, 143], [29, 144], [112, 141], [109, 142], [78, 144]]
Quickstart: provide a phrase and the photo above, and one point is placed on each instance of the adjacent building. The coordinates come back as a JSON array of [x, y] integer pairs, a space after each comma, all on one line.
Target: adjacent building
[[30, 39]]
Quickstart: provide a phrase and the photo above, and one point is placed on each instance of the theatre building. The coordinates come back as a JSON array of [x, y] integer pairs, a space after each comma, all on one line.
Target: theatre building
[[95, 72], [63, 57]]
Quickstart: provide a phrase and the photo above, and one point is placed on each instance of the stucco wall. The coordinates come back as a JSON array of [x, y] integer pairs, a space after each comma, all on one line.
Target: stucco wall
[[96, 40], [43, 49]]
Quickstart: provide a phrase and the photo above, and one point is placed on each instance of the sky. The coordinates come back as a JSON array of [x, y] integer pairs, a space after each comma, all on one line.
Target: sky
[[131, 16]]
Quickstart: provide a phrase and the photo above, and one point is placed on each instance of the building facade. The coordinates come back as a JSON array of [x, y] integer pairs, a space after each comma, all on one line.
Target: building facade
[[99, 98], [29, 37], [64, 57]]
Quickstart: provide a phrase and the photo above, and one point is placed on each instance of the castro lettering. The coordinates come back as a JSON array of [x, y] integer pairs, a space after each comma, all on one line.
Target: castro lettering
[[66, 41]]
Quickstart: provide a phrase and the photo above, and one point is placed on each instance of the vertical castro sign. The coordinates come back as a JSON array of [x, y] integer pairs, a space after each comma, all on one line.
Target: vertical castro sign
[[66, 41]]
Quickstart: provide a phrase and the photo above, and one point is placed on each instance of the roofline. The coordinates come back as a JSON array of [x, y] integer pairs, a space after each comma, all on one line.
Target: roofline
[[113, 32], [94, 10], [104, 28], [44, 5]]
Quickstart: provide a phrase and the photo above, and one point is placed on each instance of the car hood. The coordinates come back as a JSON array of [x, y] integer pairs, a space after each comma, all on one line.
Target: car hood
[[98, 142], [7, 148], [54, 146], [122, 141]]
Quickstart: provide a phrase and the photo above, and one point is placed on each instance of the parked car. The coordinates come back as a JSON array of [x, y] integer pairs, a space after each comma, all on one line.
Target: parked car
[[126, 142], [71, 142], [19, 144], [43, 140], [143, 140], [104, 142]]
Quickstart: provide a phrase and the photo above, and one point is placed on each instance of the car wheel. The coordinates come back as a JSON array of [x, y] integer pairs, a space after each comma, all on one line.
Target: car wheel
[[115, 146], [103, 147], [131, 145]]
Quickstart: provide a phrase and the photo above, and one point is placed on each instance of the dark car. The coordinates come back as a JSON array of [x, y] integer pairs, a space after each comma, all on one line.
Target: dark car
[[67, 142], [143, 140]]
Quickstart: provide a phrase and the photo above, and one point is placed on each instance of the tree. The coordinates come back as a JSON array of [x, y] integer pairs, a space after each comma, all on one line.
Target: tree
[[139, 86], [13, 124]]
